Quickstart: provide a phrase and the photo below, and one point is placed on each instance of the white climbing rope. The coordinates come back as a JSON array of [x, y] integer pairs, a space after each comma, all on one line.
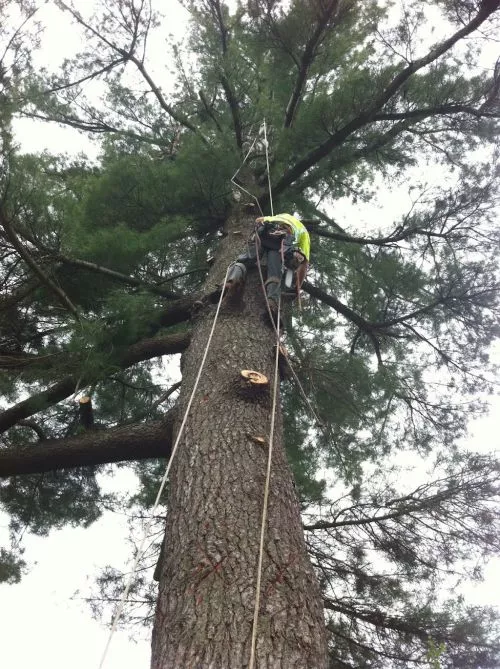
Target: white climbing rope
[[266, 145], [251, 664], [238, 171], [276, 325], [147, 526]]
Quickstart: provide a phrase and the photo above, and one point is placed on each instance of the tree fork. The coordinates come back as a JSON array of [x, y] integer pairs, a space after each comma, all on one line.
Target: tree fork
[[208, 572]]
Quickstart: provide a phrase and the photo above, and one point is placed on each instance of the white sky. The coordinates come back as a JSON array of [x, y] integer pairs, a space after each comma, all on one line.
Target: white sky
[[40, 624]]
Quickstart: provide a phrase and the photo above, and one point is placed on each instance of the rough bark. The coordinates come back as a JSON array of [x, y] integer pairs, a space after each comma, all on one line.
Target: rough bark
[[208, 575]]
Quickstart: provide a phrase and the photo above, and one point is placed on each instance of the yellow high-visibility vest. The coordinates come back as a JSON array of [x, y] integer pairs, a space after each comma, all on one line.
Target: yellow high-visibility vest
[[302, 238]]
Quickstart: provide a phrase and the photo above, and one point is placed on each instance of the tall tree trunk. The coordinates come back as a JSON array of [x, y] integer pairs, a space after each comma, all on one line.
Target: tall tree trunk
[[208, 576]]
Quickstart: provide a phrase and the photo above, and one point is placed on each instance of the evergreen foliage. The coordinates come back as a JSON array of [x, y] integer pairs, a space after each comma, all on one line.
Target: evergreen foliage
[[102, 263]]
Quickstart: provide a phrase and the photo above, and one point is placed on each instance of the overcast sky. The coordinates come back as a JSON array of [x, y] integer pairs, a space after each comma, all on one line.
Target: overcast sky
[[41, 625]]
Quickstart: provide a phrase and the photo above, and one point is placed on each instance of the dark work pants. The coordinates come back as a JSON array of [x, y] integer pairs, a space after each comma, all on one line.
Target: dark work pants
[[238, 270]]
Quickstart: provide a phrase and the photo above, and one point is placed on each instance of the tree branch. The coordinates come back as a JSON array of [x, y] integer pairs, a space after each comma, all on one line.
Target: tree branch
[[209, 110], [368, 327], [100, 269], [177, 312], [226, 86], [155, 347], [339, 306], [367, 116], [129, 55], [28, 259], [441, 110], [326, 525], [179, 118], [143, 350], [8, 301], [378, 618], [117, 276], [412, 314], [363, 153], [19, 360], [375, 241], [93, 126], [351, 315], [35, 427], [132, 442], [307, 60], [55, 393], [87, 77]]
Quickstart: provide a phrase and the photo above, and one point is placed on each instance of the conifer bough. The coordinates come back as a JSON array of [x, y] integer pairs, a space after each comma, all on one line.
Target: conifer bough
[[104, 271]]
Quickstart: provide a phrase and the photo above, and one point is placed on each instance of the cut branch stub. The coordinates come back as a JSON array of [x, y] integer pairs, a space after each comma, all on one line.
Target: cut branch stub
[[257, 439], [85, 412], [254, 378], [253, 386]]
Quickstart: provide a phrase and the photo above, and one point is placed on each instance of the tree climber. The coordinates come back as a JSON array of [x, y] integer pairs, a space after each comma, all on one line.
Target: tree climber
[[285, 242]]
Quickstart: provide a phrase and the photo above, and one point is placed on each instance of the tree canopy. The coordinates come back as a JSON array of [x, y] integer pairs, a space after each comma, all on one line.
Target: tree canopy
[[103, 264]]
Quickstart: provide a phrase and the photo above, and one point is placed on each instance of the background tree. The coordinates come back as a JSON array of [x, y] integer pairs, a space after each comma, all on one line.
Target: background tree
[[106, 267]]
